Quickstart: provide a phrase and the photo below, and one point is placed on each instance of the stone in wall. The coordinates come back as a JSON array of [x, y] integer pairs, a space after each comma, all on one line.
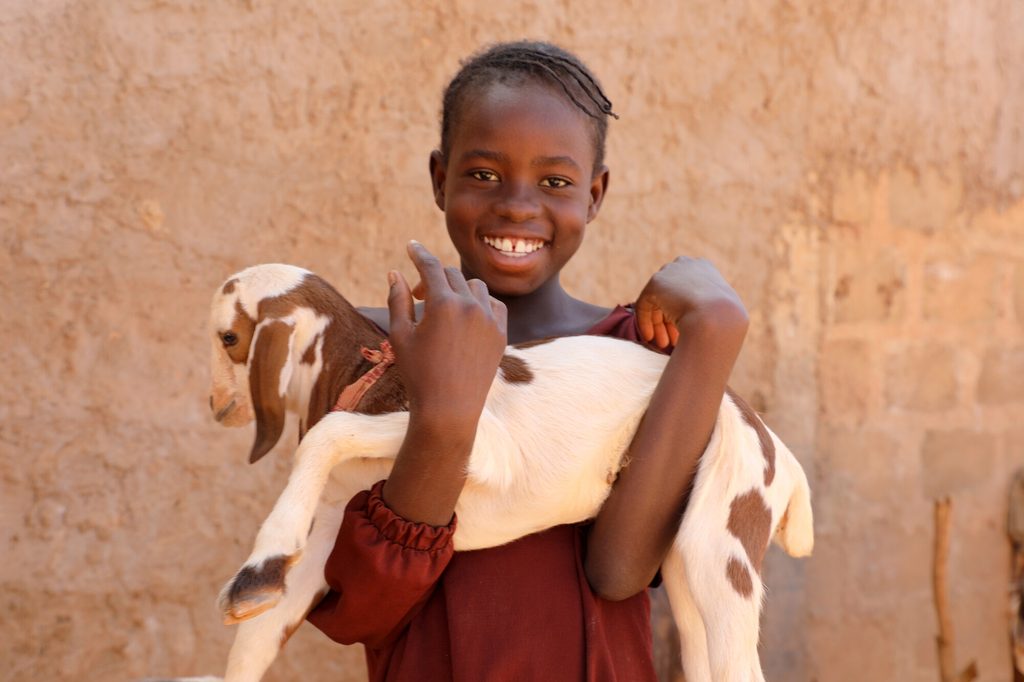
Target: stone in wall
[[921, 377], [845, 375], [961, 290], [1018, 292], [1002, 376], [852, 198], [924, 200], [956, 460], [868, 285]]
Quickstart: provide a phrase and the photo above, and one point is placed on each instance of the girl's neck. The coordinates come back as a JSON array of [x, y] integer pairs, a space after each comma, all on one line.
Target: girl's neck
[[549, 311]]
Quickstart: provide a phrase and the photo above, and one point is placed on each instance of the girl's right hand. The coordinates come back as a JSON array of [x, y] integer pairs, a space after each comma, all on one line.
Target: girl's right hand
[[448, 359]]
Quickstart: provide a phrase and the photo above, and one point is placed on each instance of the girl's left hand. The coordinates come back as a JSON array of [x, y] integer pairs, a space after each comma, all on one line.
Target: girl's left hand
[[683, 289]]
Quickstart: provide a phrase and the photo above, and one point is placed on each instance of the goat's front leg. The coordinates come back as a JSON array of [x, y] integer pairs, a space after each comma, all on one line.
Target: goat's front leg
[[258, 641], [337, 438]]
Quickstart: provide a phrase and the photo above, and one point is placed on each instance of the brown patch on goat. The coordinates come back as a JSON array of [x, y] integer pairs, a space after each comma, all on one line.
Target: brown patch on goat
[[270, 353], [290, 629], [309, 356], [243, 327], [515, 370], [312, 292], [346, 333], [765, 438], [739, 577], [229, 286], [750, 521], [254, 590], [533, 344]]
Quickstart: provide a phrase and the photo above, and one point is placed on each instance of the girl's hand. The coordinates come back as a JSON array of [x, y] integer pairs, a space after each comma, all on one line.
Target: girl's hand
[[449, 358], [685, 289]]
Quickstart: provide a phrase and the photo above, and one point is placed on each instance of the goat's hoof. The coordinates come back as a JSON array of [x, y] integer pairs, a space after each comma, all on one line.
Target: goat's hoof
[[255, 589]]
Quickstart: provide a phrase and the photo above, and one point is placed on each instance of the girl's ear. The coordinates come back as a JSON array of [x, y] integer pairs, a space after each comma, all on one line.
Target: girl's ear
[[438, 175], [598, 187]]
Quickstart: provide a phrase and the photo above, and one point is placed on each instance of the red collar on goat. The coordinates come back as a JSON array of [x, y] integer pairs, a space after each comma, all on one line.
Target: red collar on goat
[[354, 392]]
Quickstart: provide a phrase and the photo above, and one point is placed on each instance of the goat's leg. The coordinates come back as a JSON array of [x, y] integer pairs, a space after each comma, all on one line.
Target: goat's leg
[[259, 640], [338, 438], [693, 643], [730, 608]]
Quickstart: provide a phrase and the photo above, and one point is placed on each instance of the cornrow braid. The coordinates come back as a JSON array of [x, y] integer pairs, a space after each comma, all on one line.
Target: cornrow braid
[[517, 62]]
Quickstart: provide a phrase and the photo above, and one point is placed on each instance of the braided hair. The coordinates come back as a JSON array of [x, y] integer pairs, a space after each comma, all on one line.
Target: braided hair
[[514, 63]]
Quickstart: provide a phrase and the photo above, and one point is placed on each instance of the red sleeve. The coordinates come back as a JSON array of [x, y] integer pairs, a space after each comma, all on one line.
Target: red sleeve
[[621, 323], [381, 571]]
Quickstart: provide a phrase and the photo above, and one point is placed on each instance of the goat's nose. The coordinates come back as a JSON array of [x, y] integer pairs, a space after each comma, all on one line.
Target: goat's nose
[[211, 403]]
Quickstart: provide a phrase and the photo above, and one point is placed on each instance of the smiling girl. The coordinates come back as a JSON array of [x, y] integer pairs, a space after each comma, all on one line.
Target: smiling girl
[[519, 174]]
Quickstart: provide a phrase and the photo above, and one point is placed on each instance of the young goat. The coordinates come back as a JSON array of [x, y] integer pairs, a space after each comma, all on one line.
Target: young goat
[[283, 339]]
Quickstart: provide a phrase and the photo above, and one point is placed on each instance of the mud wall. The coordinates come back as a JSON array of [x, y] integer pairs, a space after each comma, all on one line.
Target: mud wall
[[856, 170]]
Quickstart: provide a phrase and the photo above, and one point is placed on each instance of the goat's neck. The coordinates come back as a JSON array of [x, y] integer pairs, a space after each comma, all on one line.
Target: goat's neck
[[344, 337]]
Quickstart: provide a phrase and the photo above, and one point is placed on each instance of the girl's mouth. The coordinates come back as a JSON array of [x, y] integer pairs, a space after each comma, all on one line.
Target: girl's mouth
[[514, 247]]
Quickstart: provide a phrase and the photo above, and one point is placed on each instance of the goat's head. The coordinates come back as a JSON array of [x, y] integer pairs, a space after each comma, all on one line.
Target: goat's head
[[260, 322]]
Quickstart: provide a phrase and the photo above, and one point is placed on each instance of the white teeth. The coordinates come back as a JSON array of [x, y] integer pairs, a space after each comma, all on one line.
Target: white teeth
[[514, 247]]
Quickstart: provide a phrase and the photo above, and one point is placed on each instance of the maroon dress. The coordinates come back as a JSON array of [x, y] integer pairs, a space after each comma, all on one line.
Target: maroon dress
[[521, 611]]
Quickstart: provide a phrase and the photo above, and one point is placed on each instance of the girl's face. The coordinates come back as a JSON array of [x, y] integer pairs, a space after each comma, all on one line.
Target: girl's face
[[518, 186]]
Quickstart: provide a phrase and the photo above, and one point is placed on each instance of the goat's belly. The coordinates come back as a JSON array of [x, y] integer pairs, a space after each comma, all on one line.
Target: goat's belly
[[482, 524], [543, 484]]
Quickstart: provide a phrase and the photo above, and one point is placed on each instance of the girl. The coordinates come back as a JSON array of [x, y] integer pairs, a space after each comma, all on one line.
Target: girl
[[518, 175]]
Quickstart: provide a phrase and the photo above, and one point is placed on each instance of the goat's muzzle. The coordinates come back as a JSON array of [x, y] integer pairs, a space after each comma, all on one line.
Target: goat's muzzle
[[224, 411]]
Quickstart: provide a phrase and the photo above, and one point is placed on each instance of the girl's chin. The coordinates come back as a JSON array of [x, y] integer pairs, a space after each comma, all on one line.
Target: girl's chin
[[505, 283]]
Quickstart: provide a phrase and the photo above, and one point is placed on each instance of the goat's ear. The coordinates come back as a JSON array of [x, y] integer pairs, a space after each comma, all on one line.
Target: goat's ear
[[270, 370]]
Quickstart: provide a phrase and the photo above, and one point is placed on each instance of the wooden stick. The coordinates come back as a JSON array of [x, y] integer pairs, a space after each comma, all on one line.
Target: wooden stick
[[944, 640]]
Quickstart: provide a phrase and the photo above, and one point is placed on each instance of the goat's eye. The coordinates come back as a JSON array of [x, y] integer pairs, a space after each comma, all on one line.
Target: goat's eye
[[229, 338]]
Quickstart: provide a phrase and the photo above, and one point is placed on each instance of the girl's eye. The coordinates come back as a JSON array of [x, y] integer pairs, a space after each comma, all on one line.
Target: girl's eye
[[229, 338], [484, 175], [555, 183]]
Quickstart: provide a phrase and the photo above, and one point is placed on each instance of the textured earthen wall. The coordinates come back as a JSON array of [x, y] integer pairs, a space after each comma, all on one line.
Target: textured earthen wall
[[856, 169]]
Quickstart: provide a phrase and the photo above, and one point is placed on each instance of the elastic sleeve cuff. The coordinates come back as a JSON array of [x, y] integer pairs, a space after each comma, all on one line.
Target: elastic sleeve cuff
[[394, 528]]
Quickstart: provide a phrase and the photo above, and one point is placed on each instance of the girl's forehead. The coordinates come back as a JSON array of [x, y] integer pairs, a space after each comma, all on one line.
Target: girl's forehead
[[523, 114]]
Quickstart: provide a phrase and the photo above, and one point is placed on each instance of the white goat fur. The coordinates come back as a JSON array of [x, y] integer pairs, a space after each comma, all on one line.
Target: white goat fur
[[538, 461]]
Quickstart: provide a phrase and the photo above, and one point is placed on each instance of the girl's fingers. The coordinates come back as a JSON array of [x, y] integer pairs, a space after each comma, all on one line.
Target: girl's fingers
[[659, 323], [479, 291], [457, 281], [660, 335], [643, 319], [497, 308], [431, 272], [673, 335], [500, 313], [400, 305]]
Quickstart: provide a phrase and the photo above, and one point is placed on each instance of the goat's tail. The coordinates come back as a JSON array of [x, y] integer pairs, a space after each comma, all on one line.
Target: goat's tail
[[796, 531]]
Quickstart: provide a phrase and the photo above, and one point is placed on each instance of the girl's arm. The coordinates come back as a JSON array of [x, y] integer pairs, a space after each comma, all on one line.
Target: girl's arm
[[447, 361], [687, 303], [396, 539]]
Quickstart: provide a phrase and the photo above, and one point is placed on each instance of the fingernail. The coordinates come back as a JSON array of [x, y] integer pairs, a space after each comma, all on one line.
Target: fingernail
[[392, 278]]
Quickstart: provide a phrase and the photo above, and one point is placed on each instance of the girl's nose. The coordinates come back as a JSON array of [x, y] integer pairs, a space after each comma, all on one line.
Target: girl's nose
[[518, 203]]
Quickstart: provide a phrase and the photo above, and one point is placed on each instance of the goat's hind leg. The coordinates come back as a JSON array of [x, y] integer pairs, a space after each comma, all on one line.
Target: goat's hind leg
[[339, 437], [693, 644], [729, 601]]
